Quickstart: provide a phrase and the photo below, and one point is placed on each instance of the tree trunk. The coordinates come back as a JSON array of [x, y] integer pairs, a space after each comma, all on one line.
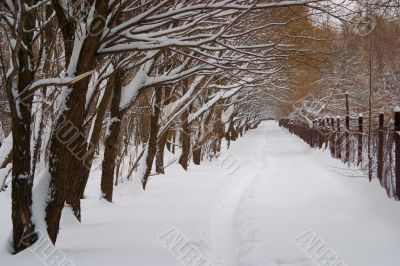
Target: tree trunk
[[111, 142], [227, 136], [22, 176], [218, 132], [197, 155], [152, 143], [65, 158], [160, 153], [186, 132], [68, 149], [233, 131], [76, 195]]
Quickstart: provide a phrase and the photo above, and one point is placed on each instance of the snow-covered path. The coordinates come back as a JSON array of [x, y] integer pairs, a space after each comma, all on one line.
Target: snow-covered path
[[281, 190], [300, 191]]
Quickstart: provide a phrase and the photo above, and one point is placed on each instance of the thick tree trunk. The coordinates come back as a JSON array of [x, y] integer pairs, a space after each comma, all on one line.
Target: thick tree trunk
[[111, 142], [233, 132], [22, 177], [152, 143], [162, 141], [196, 149], [65, 158], [201, 139], [186, 137], [68, 149], [74, 197], [218, 132], [160, 153], [197, 155]]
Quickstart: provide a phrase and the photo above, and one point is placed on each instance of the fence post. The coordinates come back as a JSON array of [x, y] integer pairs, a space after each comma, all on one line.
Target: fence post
[[338, 140], [319, 132], [329, 132], [347, 124], [381, 136], [397, 148], [347, 158], [360, 138], [324, 124]]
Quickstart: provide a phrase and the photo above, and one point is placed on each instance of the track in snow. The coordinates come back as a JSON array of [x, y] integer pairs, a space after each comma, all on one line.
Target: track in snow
[[298, 190]]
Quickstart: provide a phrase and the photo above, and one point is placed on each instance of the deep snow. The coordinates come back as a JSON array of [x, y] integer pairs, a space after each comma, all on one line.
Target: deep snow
[[281, 190]]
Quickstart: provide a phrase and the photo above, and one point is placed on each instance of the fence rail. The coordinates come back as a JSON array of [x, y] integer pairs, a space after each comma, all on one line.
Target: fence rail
[[377, 153]]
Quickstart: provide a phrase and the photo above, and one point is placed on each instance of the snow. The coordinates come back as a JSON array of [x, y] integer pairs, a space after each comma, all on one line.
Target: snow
[[283, 193], [226, 115], [214, 99], [17, 102], [172, 108], [113, 120], [130, 92], [4, 175], [49, 81], [40, 198], [6, 148]]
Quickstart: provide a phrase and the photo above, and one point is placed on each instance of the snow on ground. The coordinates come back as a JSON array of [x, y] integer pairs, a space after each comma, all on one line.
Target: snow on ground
[[284, 205]]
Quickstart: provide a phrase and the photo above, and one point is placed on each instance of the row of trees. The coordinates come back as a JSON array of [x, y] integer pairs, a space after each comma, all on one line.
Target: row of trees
[[120, 80]]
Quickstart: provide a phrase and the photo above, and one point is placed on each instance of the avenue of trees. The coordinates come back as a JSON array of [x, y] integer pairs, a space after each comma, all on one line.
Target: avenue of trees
[[121, 83]]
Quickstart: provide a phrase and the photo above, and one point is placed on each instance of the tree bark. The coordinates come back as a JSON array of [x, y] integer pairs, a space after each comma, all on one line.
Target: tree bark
[[162, 141], [227, 136], [111, 142], [160, 153], [152, 143], [186, 137], [68, 145], [197, 155], [76, 195], [22, 177], [218, 131], [233, 132]]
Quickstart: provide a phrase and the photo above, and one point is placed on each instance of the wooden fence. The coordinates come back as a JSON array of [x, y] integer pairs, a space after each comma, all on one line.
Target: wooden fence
[[377, 153]]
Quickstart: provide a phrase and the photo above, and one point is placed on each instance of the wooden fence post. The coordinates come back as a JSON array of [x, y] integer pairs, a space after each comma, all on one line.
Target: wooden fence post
[[360, 139], [347, 157], [397, 148], [338, 140], [319, 133], [381, 136], [333, 150]]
